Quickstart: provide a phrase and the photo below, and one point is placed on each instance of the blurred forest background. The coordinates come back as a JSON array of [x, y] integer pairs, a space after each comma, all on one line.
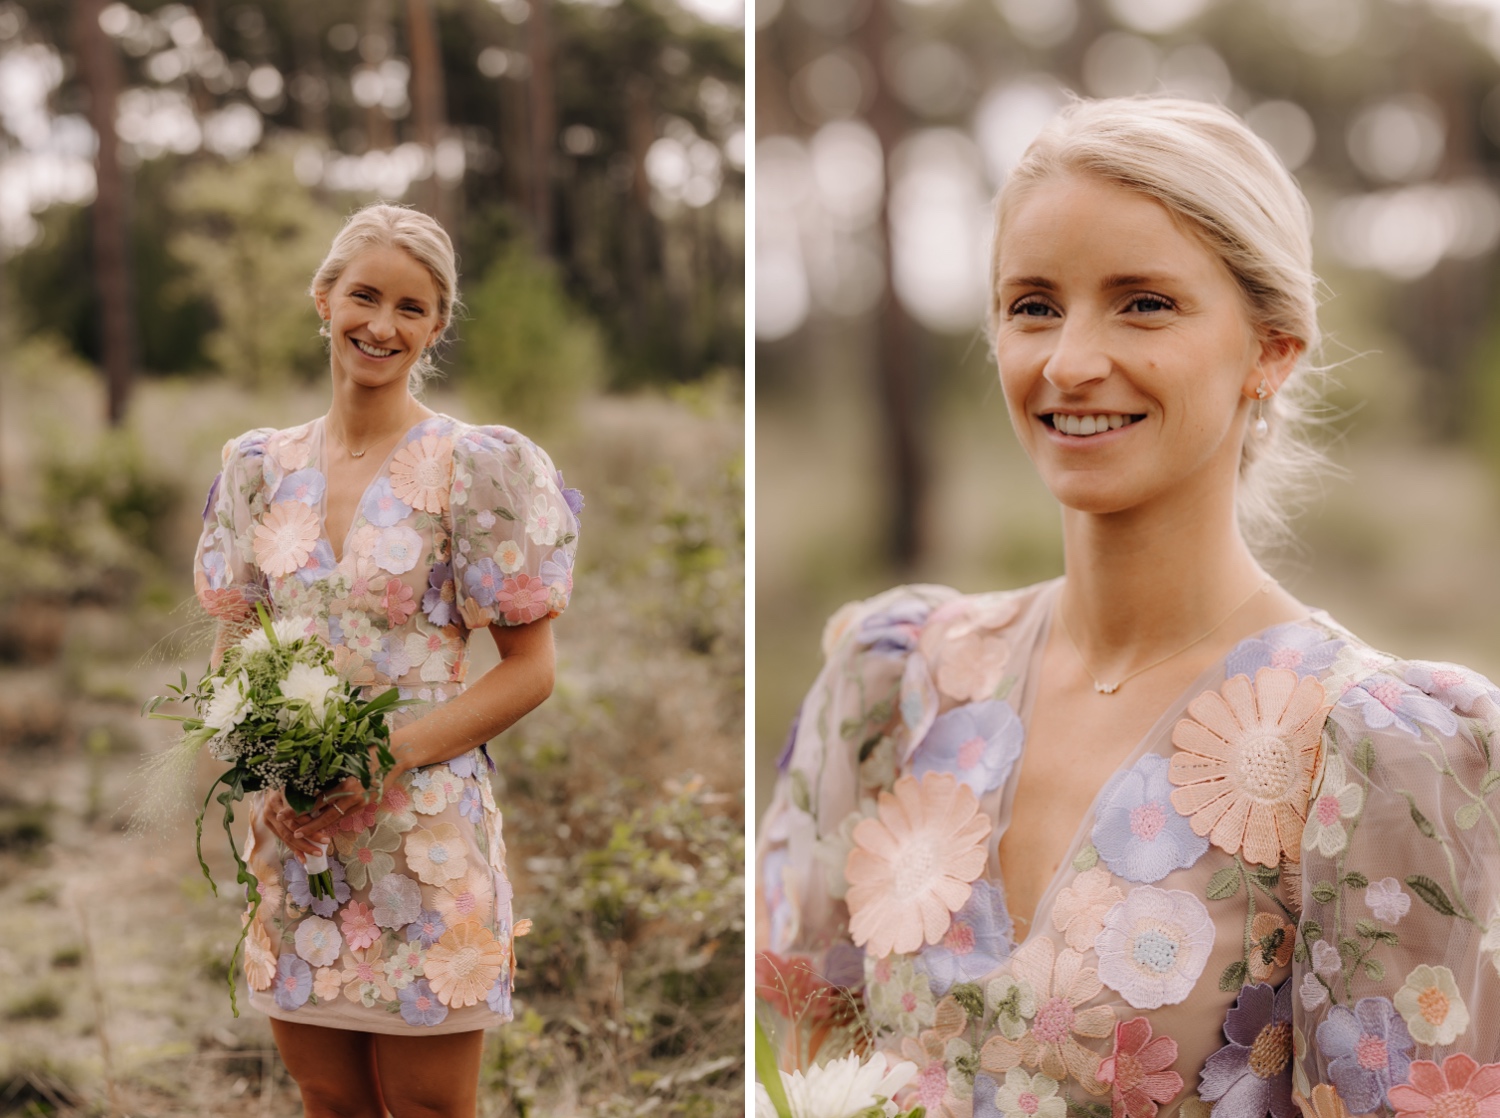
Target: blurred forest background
[[884, 452], [587, 157]]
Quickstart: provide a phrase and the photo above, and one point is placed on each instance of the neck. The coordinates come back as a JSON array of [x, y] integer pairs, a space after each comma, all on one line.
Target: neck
[[361, 415], [1145, 582]]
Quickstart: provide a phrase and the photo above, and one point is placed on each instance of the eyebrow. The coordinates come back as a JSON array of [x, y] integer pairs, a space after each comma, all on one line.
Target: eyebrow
[[1109, 283]]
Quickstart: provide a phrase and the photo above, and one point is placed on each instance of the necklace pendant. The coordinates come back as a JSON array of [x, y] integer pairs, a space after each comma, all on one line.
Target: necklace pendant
[[1106, 688], [361, 454]]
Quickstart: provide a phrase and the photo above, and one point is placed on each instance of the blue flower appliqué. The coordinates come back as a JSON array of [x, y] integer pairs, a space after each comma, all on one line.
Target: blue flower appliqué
[[1138, 833], [978, 940], [1304, 649], [977, 742], [1368, 1050], [1383, 702]]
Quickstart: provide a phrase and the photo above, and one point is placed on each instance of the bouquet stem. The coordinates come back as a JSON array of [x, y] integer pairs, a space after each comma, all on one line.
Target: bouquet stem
[[319, 876]]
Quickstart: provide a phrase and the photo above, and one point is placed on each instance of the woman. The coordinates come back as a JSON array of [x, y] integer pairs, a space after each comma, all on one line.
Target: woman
[[1153, 837], [391, 532]]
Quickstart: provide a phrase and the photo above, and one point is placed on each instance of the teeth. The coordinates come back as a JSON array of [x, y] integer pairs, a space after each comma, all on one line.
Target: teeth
[[372, 350], [1085, 425]]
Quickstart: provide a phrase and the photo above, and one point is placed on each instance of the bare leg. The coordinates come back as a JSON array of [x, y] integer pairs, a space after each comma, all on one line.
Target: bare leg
[[430, 1076], [334, 1068]]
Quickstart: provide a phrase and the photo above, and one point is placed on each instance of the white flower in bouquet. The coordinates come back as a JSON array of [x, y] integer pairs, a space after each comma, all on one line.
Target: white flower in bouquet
[[840, 1088], [312, 685], [286, 631], [230, 704]]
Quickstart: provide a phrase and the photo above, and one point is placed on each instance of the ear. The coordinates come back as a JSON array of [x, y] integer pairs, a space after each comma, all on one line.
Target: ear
[[321, 302], [1279, 354]]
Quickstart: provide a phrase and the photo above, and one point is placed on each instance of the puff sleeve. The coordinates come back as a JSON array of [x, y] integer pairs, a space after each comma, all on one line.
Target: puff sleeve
[[1395, 971], [225, 576], [515, 530]]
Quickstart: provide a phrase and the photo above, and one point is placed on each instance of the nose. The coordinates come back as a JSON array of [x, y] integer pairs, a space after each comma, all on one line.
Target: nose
[[383, 323], [1079, 356]]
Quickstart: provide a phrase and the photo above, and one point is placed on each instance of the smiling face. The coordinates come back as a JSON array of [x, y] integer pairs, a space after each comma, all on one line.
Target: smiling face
[[1126, 352], [382, 311]]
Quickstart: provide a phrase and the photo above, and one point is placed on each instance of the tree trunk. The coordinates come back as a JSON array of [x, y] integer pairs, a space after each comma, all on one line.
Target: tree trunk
[[428, 111], [543, 104], [99, 67]]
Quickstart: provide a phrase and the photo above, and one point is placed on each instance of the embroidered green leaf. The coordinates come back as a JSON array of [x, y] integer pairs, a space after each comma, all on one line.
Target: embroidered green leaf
[[849, 727], [1431, 892], [1324, 892], [1368, 928], [1356, 880], [505, 513], [1311, 930], [1003, 691], [1088, 1109], [1234, 975], [1222, 885], [801, 797], [970, 999], [1422, 822], [1467, 816], [1491, 779], [1268, 876], [1364, 756], [1300, 953], [1086, 859], [1349, 947], [868, 747], [1374, 970], [881, 712], [1482, 736]]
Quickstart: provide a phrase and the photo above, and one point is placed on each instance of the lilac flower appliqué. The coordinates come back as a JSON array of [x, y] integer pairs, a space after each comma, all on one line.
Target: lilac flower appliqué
[[465, 764], [498, 999], [977, 941], [978, 743], [427, 927], [1368, 1050], [381, 507], [1304, 649], [1383, 701], [1138, 833], [420, 1006], [895, 630], [1455, 687], [320, 563], [305, 485], [293, 981], [216, 569], [295, 876], [436, 604], [482, 580], [557, 570], [573, 498], [784, 762], [469, 806], [213, 496], [1252, 1074]]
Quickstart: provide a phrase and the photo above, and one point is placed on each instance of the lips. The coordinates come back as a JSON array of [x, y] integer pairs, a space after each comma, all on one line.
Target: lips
[[371, 350], [1082, 426]]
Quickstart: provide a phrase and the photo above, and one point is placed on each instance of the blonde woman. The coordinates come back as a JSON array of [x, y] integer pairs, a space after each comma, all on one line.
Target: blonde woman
[[392, 532], [1154, 837]]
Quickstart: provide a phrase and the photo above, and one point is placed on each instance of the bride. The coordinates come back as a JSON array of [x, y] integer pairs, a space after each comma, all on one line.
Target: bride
[[1154, 837]]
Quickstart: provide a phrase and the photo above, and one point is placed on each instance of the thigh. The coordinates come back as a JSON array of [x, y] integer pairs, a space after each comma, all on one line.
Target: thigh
[[430, 1076], [334, 1069]]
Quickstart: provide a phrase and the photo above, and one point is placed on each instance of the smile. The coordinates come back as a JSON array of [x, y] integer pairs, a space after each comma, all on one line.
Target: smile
[[1085, 425], [370, 350]]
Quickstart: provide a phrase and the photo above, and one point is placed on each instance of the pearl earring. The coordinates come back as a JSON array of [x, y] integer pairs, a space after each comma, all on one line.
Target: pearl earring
[[1262, 392]]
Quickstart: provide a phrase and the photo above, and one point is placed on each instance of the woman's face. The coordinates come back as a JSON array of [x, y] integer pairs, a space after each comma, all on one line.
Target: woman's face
[[381, 313], [1125, 351]]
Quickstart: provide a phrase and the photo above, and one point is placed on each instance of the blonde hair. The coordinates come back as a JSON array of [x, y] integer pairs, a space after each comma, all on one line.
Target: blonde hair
[[416, 234], [1226, 184]]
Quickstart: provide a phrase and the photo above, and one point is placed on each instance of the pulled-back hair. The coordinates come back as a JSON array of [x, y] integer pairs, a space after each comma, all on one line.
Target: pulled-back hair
[[416, 234], [1225, 184]]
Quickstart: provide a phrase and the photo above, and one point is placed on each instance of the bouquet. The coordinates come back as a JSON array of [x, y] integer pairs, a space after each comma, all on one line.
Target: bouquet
[[278, 713]]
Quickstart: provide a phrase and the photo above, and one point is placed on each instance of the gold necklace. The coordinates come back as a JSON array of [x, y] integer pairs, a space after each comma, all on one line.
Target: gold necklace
[[1111, 688], [361, 453]]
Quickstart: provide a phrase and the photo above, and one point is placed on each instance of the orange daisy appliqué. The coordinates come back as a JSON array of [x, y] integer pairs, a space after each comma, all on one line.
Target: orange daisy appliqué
[[912, 867], [1244, 763], [422, 473], [463, 965], [285, 538]]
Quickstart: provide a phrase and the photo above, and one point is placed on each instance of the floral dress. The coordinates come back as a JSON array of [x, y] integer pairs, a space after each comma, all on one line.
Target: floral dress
[[463, 527], [1285, 897]]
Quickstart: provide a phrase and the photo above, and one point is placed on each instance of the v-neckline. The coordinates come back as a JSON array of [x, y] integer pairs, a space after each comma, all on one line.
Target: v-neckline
[[323, 531], [1172, 713]]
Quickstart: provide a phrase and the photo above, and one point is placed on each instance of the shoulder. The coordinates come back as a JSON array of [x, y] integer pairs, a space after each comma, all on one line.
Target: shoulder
[[922, 617]]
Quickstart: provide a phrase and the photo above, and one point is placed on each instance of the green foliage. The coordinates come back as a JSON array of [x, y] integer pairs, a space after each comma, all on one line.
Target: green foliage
[[251, 238], [529, 354], [112, 484]]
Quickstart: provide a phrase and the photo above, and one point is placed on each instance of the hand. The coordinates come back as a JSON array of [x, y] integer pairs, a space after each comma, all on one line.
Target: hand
[[320, 821], [278, 817]]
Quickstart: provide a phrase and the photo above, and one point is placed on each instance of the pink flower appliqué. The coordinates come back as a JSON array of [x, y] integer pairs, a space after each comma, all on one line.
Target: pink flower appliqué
[[522, 599], [1244, 763], [358, 924], [1461, 1088], [1079, 909], [1139, 1070], [1061, 983], [911, 867]]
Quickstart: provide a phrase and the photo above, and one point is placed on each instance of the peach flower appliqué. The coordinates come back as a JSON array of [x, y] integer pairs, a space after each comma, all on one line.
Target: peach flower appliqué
[[422, 473], [1244, 763], [911, 867], [463, 965], [1061, 984], [285, 538], [1079, 910], [1461, 1088]]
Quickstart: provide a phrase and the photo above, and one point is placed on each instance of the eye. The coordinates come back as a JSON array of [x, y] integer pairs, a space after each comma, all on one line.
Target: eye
[[1030, 307], [1150, 304], [365, 295]]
